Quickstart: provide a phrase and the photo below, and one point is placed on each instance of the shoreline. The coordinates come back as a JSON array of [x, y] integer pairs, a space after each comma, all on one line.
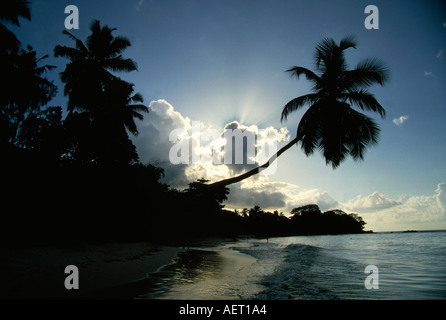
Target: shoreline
[[34, 273], [204, 263], [106, 271]]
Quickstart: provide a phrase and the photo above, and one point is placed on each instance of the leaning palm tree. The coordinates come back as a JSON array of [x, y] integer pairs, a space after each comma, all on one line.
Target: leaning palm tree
[[332, 124]]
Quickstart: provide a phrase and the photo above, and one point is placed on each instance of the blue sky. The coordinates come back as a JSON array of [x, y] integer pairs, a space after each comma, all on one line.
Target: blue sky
[[221, 61]]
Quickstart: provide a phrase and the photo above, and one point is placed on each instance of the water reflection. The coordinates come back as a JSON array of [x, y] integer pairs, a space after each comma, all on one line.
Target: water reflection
[[196, 265]]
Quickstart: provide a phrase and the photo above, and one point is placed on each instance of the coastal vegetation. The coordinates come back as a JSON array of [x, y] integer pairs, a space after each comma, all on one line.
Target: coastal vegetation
[[72, 174]]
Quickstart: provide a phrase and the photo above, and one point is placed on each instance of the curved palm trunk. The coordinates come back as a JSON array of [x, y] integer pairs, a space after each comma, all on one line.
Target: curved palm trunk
[[254, 171]]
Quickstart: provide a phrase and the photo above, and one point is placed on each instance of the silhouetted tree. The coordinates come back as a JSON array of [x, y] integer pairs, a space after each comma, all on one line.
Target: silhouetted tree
[[42, 134], [307, 210], [310, 220], [26, 89], [11, 11], [331, 124], [103, 100]]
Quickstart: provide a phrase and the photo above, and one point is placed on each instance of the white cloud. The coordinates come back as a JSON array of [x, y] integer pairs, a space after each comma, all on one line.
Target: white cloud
[[313, 196], [427, 73], [373, 202], [408, 212], [153, 145], [399, 121], [440, 54], [440, 196], [152, 142]]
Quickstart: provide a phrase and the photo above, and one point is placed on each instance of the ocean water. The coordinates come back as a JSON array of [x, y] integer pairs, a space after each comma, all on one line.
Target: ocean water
[[408, 265]]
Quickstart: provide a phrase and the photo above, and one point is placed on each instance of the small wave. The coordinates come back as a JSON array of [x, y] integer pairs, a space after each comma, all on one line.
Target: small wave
[[298, 271]]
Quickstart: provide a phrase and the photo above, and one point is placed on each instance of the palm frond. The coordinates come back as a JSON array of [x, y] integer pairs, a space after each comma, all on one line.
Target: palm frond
[[136, 108], [310, 75], [368, 72], [13, 9], [362, 132], [118, 44], [348, 42], [298, 103], [137, 97], [67, 52], [120, 65], [79, 44], [324, 50], [365, 101]]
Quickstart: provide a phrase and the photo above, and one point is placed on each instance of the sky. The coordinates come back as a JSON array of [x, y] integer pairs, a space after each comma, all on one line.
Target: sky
[[221, 64]]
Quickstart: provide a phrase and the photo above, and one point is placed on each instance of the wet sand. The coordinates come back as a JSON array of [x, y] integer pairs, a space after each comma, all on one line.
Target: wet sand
[[206, 269], [205, 273]]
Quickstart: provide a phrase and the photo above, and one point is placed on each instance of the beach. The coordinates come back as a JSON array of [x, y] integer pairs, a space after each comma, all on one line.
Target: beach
[[117, 270], [38, 272], [284, 268]]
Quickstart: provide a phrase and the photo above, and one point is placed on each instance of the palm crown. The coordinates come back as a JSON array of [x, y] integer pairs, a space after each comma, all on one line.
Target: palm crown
[[91, 64], [331, 124], [105, 100]]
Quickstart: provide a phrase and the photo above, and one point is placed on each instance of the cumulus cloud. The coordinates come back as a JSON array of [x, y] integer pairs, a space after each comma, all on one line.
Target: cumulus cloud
[[313, 196], [189, 150], [399, 121], [370, 203], [268, 199], [152, 142], [440, 196], [408, 212], [427, 73]]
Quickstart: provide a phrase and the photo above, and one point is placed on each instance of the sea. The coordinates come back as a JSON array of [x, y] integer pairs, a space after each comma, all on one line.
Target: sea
[[369, 266]]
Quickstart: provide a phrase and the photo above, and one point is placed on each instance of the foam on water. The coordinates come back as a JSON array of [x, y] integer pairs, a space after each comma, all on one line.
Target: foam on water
[[411, 266]]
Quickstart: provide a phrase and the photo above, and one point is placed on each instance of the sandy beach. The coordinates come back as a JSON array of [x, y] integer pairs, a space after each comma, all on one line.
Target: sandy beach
[[38, 272], [122, 271]]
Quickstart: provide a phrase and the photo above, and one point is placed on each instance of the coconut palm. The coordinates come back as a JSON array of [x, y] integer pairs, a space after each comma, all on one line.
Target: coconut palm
[[27, 89], [333, 123], [119, 110], [103, 99], [91, 65], [11, 11]]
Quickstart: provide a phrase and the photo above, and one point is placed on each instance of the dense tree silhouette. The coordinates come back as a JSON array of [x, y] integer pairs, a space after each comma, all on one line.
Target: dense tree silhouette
[[99, 101], [309, 219], [11, 11], [26, 89], [331, 124]]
